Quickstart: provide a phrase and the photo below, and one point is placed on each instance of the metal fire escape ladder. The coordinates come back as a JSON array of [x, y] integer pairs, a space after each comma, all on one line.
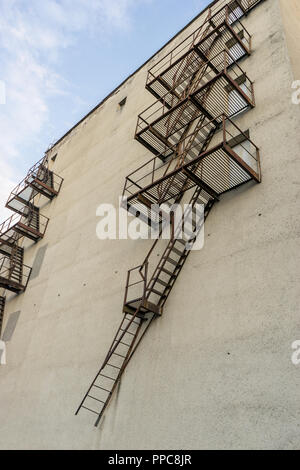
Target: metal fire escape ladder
[[182, 71], [136, 321], [26, 222], [198, 124], [178, 249], [100, 392], [185, 65], [183, 149], [188, 163]]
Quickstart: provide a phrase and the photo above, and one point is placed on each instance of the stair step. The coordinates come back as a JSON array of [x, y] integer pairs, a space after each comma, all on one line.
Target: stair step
[[174, 250], [154, 291], [168, 272], [170, 260], [163, 283]]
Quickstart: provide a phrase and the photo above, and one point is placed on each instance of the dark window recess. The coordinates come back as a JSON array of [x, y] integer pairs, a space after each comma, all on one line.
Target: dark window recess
[[123, 102], [54, 157]]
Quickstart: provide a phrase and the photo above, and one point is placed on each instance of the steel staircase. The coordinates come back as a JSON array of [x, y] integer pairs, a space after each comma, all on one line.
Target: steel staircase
[[14, 274], [106, 380], [199, 150], [139, 313], [221, 87]]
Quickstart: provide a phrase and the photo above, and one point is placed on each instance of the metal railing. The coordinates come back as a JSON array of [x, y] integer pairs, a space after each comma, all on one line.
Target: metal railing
[[39, 173], [135, 290], [222, 63], [25, 220], [156, 168], [7, 271], [226, 15]]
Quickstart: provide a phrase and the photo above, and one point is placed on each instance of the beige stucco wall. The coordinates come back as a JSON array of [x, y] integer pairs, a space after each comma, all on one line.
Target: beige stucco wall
[[291, 20], [215, 370]]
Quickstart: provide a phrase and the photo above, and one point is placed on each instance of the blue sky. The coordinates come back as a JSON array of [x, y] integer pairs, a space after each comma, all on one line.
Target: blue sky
[[59, 58]]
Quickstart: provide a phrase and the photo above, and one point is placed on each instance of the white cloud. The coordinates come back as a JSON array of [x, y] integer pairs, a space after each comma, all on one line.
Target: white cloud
[[33, 36]]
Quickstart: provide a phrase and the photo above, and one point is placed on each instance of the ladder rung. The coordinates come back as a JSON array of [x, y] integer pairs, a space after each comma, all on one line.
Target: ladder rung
[[168, 272], [170, 260], [97, 399], [106, 376], [96, 412], [132, 334], [115, 367], [120, 355], [156, 292], [179, 253], [163, 283], [101, 388], [135, 322], [121, 342]]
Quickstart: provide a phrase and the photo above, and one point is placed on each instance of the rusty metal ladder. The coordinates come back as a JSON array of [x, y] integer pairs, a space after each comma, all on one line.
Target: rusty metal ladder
[[16, 264], [195, 80], [183, 152], [134, 326], [128, 336]]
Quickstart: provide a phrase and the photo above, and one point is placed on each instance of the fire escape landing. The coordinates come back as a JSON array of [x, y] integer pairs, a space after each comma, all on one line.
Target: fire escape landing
[[26, 223], [39, 181]]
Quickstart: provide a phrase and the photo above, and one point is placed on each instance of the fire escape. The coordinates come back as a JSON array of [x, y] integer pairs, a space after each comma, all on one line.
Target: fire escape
[[200, 154], [28, 223]]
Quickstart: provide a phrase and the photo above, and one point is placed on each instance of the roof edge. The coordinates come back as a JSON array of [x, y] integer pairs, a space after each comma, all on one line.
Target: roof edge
[[130, 76]]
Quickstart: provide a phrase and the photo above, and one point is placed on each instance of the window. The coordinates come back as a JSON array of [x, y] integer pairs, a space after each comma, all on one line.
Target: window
[[123, 102]]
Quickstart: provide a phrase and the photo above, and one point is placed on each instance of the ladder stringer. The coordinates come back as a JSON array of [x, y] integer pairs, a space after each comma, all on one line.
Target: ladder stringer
[[129, 335]]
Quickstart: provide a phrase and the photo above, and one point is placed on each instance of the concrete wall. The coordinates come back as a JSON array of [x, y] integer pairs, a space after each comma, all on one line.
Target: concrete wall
[[291, 20], [215, 370]]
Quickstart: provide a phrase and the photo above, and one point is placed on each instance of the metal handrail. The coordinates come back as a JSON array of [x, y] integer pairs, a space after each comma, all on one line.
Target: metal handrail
[[143, 272], [156, 162], [15, 219], [4, 270], [190, 41], [227, 64], [33, 173]]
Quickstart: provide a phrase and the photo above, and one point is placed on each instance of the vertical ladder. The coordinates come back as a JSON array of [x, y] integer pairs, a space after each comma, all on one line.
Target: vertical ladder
[[128, 336], [134, 326]]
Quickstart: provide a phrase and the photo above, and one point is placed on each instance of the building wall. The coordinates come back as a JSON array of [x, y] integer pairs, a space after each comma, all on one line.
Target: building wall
[[291, 20], [215, 370]]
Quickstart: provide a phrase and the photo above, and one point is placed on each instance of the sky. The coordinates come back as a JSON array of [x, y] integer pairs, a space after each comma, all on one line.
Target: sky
[[59, 58]]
